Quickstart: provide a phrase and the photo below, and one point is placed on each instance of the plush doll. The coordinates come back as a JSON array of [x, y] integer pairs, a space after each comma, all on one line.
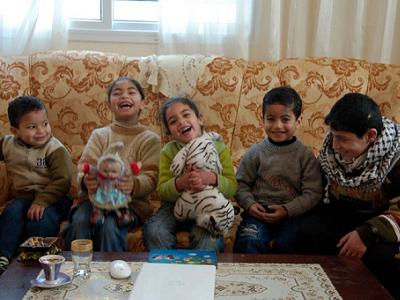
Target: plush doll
[[209, 208], [109, 170]]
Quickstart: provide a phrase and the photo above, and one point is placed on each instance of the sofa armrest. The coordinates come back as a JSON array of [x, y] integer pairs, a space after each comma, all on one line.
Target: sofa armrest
[[4, 187]]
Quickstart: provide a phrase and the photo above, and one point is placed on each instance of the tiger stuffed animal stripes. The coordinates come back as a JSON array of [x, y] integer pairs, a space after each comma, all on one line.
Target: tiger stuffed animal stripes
[[208, 207]]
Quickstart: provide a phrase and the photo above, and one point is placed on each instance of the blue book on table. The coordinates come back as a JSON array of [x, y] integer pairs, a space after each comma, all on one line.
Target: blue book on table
[[178, 256]]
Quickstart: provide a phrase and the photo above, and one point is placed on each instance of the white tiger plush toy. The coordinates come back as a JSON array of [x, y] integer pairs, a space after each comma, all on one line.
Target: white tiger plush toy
[[208, 207]]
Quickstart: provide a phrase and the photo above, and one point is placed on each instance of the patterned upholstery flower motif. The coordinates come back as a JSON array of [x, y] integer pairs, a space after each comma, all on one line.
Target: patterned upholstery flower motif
[[35, 86], [95, 62], [343, 67], [9, 87], [220, 66], [250, 135], [376, 69], [87, 129]]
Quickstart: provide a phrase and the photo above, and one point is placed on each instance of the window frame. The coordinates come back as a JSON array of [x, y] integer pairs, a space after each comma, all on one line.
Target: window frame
[[106, 30]]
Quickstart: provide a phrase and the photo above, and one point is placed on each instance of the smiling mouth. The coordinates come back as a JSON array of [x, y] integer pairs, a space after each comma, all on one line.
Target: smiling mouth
[[186, 130], [125, 105]]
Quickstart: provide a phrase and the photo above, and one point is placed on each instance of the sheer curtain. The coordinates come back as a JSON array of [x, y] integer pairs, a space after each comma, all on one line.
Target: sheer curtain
[[205, 27], [274, 29], [27, 26]]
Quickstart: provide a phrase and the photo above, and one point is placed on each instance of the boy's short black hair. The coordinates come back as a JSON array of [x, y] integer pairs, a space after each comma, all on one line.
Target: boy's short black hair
[[125, 78], [171, 101], [284, 95], [355, 113], [21, 106]]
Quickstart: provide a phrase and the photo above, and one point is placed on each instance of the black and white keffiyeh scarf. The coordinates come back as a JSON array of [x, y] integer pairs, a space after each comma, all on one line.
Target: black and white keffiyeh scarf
[[377, 162]]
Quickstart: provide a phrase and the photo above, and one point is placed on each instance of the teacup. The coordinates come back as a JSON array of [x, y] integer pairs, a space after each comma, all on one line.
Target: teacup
[[51, 265]]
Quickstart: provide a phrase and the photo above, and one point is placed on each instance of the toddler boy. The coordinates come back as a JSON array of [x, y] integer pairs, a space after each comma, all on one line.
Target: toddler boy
[[40, 168]]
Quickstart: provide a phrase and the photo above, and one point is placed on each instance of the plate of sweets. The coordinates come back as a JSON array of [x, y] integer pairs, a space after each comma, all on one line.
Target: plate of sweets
[[36, 246]]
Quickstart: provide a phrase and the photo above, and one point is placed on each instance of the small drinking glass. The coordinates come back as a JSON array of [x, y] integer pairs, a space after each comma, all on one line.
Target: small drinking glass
[[82, 252]]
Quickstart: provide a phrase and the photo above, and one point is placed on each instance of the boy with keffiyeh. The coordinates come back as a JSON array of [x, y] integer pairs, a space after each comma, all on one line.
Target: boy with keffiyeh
[[360, 158]]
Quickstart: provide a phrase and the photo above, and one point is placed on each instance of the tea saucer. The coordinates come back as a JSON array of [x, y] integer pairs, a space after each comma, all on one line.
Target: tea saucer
[[62, 279]]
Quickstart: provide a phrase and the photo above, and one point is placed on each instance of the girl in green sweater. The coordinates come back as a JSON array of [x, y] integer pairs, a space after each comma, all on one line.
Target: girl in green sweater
[[183, 122]]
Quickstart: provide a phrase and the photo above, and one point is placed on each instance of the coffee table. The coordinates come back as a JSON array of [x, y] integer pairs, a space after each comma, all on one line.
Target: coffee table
[[349, 275]]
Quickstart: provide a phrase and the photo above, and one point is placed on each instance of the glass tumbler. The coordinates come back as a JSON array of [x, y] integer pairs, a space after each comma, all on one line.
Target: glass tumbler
[[82, 252]]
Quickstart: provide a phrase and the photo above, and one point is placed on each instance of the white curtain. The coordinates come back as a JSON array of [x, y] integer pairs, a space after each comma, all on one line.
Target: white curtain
[[205, 26], [275, 29], [27, 26]]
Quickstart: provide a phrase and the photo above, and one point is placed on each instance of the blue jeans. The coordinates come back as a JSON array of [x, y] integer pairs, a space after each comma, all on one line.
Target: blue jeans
[[255, 236], [106, 237], [160, 232], [15, 227]]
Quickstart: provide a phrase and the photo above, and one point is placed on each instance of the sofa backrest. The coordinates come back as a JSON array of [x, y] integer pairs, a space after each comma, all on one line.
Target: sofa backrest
[[229, 92]]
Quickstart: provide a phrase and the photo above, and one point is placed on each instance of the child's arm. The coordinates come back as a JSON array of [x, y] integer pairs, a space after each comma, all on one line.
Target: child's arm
[[226, 181], [60, 172], [246, 176], [311, 185], [90, 182], [91, 153], [386, 226], [166, 181], [145, 182]]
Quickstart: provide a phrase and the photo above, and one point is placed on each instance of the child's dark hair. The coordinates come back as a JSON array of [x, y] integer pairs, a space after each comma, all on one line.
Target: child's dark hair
[[355, 113], [167, 104], [125, 78], [284, 95], [21, 106]]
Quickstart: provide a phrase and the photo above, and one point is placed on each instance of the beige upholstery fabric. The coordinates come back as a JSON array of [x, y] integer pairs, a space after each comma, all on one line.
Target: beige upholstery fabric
[[229, 93]]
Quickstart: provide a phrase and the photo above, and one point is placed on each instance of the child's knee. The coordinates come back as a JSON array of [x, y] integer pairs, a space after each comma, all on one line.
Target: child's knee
[[110, 226], [249, 232], [81, 215], [154, 230]]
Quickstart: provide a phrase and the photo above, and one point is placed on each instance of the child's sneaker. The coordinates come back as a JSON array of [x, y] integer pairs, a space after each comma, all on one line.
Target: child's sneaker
[[3, 264]]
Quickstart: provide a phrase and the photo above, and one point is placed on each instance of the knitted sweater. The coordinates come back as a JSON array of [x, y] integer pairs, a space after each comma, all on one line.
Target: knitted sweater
[[288, 175], [140, 145], [41, 174], [166, 184]]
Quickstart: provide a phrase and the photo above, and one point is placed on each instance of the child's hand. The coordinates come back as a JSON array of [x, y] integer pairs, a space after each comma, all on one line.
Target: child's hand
[[182, 182], [199, 179], [90, 181], [35, 212], [257, 211], [278, 213], [352, 245], [125, 184]]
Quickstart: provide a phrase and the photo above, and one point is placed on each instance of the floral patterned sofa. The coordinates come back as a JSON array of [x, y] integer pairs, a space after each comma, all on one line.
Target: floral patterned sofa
[[228, 91]]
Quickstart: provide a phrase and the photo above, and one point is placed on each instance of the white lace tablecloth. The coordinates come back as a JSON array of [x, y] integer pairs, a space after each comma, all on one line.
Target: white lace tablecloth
[[234, 281]]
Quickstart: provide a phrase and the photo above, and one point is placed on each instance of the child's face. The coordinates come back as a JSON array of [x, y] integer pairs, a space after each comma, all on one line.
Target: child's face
[[280, 123], [349, 145], [110, 169], [125, 101], [183, 123], [34, 128]]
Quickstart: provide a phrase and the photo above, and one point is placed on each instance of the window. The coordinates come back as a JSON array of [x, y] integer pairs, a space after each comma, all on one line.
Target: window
[[113, 20]]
